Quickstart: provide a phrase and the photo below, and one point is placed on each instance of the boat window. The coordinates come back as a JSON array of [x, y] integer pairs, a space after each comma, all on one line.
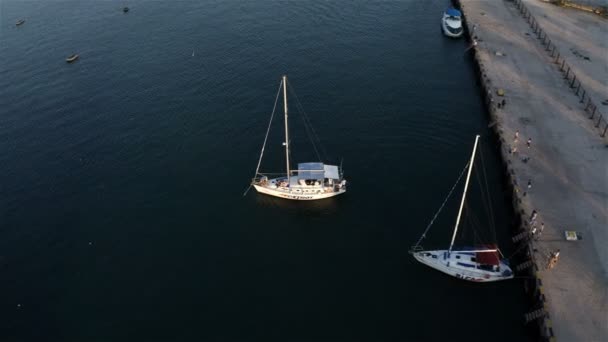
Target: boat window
[[458, 257], [434, 256], [486, 267], [473, 259]]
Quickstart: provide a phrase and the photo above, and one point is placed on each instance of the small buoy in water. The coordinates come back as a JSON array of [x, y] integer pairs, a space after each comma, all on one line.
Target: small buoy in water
[[90, 243], [125, 9], [18, 305], [19, 22]]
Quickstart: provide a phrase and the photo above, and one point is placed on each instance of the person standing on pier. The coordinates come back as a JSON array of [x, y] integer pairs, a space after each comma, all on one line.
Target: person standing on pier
[[533, 216], [554, 257]]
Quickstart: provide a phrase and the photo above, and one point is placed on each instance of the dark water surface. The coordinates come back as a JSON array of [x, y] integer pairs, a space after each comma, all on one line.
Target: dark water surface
[[121, 216]]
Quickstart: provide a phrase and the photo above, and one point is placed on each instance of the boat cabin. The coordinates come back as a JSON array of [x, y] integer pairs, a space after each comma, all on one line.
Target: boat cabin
[[453, 14], [316, 175]]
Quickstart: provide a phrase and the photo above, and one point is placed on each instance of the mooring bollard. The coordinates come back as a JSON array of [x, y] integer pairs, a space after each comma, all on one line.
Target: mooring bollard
[[567, 73], [583, 97], [579, 87], [599, 120], [593, 112], [573, 80], [563, 63]]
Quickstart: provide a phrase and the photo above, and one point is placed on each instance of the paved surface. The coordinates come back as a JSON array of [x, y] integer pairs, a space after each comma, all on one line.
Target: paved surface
[[582, 38], [568, 165]]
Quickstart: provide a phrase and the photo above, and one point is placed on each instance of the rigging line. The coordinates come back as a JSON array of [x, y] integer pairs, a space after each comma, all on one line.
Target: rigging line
[[268, 129], [441, 207], [485, 178], [307, 129], [307, 125], [478, 233], [485, 195], [486, 206], [291, 88], [306, 117]]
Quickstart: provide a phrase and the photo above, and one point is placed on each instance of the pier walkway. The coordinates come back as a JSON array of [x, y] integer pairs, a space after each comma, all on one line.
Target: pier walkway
[[566, 162]]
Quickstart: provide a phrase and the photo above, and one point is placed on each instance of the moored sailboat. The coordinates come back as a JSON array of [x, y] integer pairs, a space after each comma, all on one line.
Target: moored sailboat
[[310, 181], [482, 263]]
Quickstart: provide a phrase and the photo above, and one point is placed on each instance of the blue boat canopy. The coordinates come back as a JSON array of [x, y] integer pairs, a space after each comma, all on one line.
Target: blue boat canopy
[[453, 12]]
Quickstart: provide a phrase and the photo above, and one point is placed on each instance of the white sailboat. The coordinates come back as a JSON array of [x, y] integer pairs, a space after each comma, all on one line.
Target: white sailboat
[[478, 264], [310, 181]]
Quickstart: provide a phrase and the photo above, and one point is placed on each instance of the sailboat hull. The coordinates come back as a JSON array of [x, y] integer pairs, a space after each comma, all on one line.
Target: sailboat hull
[[462, 265], [298, 194]]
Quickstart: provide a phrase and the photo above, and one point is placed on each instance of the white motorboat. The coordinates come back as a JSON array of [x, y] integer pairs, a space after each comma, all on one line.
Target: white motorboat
[[451, 23], [482, 263], [310, 181]]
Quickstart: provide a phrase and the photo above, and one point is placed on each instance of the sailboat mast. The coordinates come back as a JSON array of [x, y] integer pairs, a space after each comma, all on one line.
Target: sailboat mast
[[286, 127], [464, 193]]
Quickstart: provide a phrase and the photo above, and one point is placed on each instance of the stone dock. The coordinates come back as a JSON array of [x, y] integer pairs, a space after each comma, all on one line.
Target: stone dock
[[553, 96]]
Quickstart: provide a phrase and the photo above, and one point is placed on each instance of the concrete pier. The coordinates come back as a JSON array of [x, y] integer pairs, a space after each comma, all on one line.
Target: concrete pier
[[563, 174]]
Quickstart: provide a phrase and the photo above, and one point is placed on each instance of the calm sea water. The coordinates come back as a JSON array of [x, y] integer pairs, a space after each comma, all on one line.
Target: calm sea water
[[121, 175]]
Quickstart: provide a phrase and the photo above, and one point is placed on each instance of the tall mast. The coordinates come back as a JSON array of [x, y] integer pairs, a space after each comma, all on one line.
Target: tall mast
[[464, 193], [286, 127]]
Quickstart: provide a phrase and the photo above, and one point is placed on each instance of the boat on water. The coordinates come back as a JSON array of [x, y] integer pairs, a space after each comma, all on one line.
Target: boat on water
[[451, 23], [19, 22], [72, 58], [481, 263], [309, 181]]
